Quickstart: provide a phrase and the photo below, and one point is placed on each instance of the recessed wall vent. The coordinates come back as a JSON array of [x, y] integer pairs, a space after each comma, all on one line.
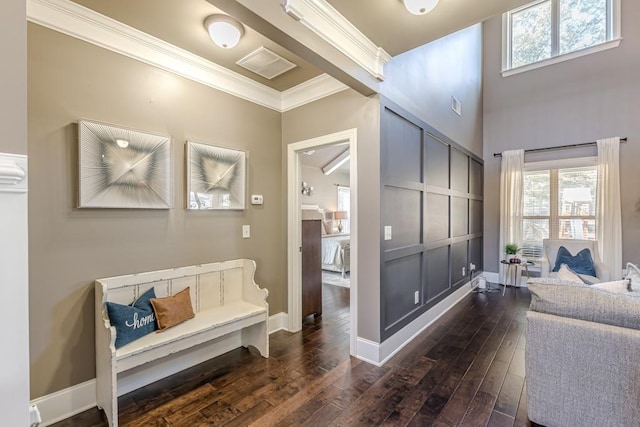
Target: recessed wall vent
[[266, 63]]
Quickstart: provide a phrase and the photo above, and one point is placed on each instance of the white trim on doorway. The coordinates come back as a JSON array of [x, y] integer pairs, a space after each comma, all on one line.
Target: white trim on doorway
[[294, 227]]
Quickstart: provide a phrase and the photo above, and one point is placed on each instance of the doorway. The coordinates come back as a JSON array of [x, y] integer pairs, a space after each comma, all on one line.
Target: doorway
[[294, 227]]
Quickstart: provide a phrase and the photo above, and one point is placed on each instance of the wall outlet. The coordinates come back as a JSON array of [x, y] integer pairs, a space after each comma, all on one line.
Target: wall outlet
[[416, 297], [464, 271], [257, 199], [246, 231], [387, 232]]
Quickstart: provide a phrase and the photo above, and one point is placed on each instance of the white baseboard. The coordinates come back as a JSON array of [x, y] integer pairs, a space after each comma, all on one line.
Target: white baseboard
[[66, 403], [278, 322], [379, 353]]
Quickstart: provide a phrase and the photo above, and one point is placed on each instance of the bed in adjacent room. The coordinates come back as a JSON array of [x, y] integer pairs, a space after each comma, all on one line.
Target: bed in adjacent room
[[336, 253]]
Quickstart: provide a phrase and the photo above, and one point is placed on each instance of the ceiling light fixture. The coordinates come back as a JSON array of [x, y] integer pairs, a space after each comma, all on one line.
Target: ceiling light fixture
[[122, 143], [224, 30], [420, 7]]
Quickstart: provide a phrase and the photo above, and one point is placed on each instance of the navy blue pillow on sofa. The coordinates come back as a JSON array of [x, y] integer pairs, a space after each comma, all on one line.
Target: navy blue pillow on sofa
[[132, 321], [581, 263]]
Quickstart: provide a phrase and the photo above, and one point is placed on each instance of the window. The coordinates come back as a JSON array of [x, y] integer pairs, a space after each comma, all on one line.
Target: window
[[344, 204], [546, 29], [559, 203]]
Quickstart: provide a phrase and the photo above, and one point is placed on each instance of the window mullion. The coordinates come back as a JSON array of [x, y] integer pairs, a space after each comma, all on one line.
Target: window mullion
[[555, 27]]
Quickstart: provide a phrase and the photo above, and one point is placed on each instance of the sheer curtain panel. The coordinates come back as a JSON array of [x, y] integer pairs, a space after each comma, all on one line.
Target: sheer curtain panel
[[608, 211], [511, 197]]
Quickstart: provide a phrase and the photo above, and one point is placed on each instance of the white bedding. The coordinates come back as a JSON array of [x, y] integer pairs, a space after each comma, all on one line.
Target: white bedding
[[333, 248]]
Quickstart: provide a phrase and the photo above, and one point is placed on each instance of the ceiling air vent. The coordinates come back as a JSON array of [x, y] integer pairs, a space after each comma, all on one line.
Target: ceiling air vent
[[266, 63]]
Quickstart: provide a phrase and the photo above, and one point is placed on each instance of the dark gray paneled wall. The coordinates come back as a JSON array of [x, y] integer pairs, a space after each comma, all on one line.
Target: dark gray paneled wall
[[431, 197], [580, 100]]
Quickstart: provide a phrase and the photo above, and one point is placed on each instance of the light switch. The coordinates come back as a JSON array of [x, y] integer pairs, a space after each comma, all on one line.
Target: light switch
[[387, 232], [246, 231]]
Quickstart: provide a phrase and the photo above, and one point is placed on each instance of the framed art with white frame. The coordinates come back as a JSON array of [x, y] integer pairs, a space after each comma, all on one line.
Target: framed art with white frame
[[124, 168], [216, 177]]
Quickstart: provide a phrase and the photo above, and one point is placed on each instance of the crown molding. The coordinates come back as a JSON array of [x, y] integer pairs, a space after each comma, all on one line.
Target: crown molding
[[85, 24], [13, 173], [324, 20], [311, 90]]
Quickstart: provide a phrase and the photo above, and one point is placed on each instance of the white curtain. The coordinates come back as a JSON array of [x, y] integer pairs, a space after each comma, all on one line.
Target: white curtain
[[511, 200], [608, 211]]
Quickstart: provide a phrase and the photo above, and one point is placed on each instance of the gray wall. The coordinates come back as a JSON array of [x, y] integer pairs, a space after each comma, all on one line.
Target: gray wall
[[424, 79], [69, 248], [346, 110], [580, 100]]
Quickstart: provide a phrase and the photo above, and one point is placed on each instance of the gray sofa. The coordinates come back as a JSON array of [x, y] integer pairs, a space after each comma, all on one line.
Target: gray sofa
[[582, 356]]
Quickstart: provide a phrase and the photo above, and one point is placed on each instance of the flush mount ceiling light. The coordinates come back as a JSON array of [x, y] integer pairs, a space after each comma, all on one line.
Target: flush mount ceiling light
[[420, 7], [224, 30]]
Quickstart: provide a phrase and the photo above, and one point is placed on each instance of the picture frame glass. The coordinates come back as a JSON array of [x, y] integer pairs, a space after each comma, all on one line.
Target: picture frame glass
[[216, 177]]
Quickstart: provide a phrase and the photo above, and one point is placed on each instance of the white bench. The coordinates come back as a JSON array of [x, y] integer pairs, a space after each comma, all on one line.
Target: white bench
[[231, 311]]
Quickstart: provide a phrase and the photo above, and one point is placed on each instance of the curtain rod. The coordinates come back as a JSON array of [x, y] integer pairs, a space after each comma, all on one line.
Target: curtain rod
[[559, 147]]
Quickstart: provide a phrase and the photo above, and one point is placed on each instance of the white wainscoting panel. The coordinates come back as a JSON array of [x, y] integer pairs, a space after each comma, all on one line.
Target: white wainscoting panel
[[14, 304]]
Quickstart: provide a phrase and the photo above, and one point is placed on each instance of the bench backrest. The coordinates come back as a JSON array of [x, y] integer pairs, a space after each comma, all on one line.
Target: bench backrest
[[211, 285]]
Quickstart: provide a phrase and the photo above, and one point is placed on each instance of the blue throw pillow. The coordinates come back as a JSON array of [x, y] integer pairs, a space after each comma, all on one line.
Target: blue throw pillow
[[132, 321], [581, 263]]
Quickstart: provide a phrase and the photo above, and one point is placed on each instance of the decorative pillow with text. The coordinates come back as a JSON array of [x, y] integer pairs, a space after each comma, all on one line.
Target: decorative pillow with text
[[132, 321]]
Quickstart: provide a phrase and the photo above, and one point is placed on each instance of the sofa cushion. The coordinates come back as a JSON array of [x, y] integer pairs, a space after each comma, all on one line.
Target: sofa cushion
[[581, 263], [585, 303], [565, 273], [633, 274], [619, 286]]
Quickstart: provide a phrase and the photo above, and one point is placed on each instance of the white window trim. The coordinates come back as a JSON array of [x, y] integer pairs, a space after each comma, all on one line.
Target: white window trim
[[613, 42]]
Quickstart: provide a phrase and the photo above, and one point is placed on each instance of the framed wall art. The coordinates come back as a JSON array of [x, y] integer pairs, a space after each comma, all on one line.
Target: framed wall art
[[124, 168], [216, 177]]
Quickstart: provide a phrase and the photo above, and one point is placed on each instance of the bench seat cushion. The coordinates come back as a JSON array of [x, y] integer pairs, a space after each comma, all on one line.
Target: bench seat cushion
[[206, 325]]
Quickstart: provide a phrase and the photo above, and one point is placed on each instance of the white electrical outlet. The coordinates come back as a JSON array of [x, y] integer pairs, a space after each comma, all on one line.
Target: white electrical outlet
[[464, 271], [246, 231], [416, 297]]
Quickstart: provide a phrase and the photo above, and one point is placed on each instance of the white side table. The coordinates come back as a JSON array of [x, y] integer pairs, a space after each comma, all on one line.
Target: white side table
[[514, 271]]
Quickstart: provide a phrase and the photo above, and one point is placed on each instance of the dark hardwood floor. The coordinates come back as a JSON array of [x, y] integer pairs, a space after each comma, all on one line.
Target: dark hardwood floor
[[466, 370]]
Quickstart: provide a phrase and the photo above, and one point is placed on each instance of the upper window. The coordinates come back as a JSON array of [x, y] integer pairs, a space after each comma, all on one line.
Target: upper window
[[544, 30]]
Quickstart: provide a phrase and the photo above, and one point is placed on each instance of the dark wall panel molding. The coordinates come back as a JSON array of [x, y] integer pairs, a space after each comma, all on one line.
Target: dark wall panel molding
[[432, 200]]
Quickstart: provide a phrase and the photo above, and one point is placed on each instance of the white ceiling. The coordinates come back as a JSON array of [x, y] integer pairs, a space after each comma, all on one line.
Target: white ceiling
[[386, 23], [323, 156]]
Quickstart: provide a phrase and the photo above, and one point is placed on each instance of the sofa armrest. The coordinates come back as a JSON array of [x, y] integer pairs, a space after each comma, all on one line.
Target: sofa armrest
[[580, 372], [602, 272]]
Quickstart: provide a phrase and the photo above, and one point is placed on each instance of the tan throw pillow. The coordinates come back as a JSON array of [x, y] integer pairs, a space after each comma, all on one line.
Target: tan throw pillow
[[171, 311]]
